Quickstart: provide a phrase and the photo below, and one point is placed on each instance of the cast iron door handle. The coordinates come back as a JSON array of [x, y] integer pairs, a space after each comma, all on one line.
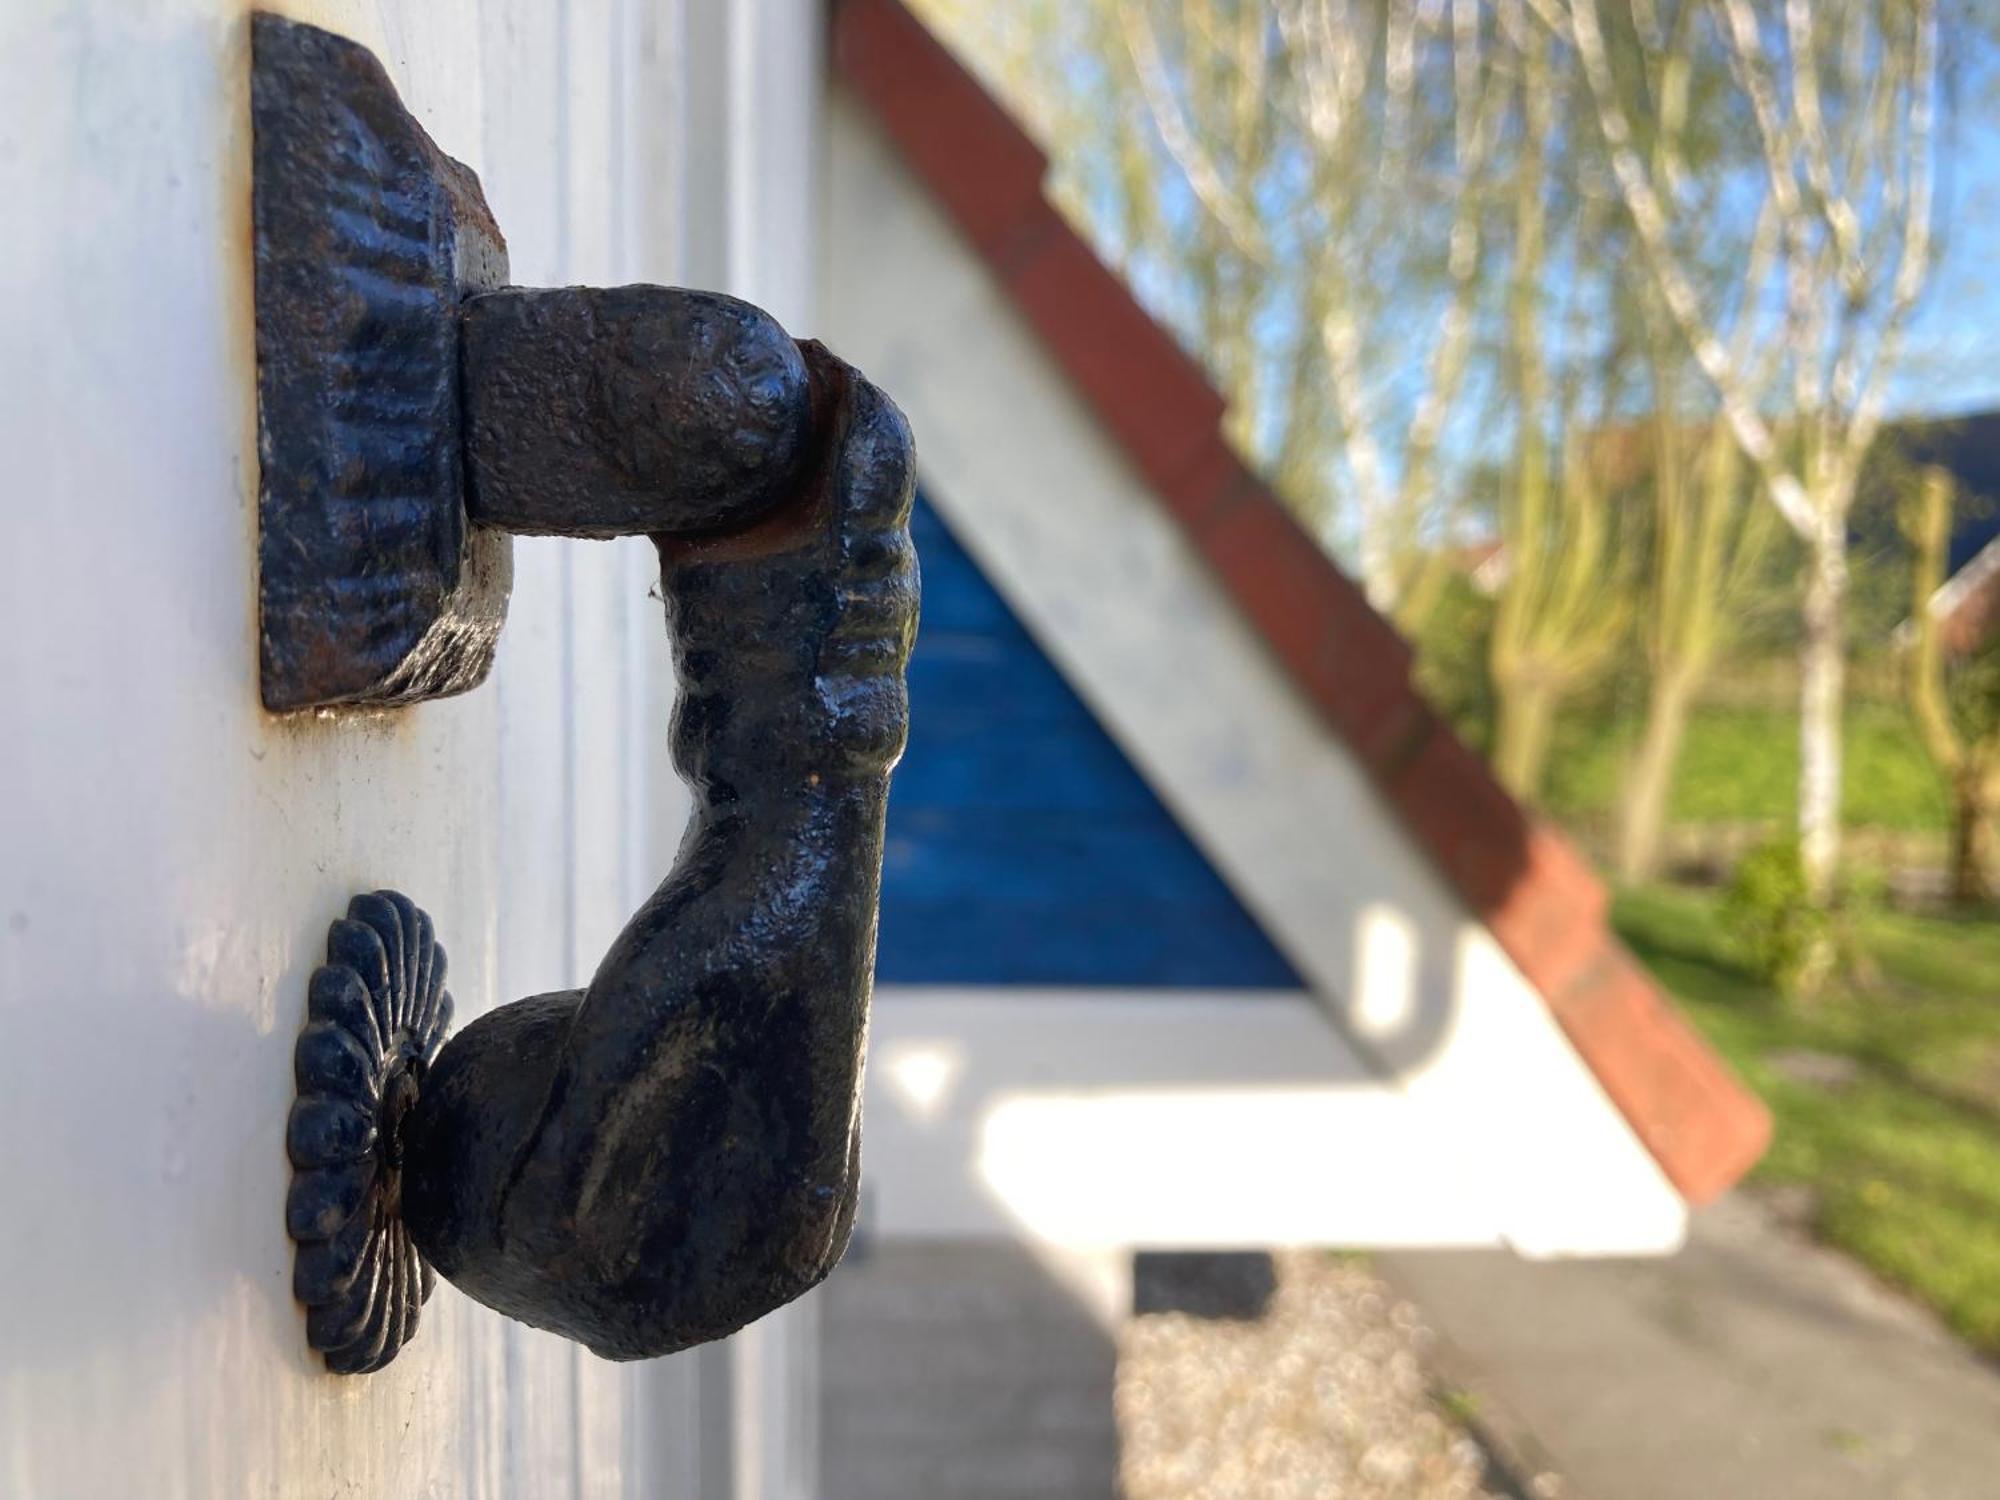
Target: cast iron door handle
[[671, 1152]]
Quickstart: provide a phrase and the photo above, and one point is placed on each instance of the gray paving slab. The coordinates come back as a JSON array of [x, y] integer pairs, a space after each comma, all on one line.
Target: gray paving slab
[[1753, 1364]]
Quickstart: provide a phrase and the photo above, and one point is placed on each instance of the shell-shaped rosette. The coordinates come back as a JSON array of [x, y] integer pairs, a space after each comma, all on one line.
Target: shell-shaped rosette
[[376, 1014]]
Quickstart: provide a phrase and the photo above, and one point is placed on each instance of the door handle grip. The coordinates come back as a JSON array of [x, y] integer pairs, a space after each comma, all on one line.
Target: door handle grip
[[672, 1151]]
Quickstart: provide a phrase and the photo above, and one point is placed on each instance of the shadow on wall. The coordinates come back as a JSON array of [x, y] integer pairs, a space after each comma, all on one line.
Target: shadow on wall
[[1194, 1120]]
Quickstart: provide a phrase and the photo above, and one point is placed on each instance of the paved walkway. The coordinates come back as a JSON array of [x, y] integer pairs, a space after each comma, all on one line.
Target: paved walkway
[[1753, 1366], [961, 1372]]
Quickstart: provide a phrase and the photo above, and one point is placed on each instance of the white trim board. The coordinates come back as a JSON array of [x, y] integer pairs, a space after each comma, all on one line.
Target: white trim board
[[1083, 1120], [1100, 575]]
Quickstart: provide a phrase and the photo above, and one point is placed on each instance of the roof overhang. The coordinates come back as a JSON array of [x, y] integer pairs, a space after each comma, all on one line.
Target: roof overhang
[[1458, 944]]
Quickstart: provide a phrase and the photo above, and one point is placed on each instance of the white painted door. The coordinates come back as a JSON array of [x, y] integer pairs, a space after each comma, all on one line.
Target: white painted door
[[170, 855]]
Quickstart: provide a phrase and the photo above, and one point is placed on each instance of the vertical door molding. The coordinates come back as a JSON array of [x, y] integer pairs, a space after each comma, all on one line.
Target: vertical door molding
[[733, 125]]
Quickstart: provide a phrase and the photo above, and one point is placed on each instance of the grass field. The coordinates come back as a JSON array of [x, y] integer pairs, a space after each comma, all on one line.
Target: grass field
[[1886, 1090], [1741, 765]]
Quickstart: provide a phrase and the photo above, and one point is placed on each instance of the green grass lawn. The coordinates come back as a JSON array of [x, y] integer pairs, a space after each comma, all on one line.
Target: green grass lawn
[[1904, 1156], [1741, 765]]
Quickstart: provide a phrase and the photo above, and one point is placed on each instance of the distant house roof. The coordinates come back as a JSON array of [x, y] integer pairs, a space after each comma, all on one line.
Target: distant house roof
[[1969, 446], [1523, 880], [1968, 602]]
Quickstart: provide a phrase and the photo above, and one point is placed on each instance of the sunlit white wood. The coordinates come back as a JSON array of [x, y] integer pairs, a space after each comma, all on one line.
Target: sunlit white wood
[[754, 91], [746, 221], [172, 854], [1068, 533], [1097, 1119], [1090, 1120]]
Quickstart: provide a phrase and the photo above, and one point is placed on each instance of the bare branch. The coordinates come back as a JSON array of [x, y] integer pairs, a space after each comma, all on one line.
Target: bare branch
[[1237, 219], [1835, 206], [1341, 336], [1649, 218], [1754, 73], [1913, 266]]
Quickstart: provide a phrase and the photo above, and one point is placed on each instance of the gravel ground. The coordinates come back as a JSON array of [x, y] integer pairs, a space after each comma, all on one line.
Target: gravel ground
[[1325, 1396]]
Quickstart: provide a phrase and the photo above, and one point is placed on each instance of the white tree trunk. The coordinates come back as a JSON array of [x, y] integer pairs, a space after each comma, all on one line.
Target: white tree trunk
[[1822, 686]]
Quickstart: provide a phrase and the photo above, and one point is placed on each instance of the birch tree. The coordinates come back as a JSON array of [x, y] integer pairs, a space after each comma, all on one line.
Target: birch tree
[[1193, 104], [1359, 69], [1363, 201], [1841, 98], [1562, 608], [1711, 537], [1710, 533], [1169, 150]]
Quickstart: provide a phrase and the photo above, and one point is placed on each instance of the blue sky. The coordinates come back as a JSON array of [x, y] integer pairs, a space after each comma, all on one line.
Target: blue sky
[[1953, 360]]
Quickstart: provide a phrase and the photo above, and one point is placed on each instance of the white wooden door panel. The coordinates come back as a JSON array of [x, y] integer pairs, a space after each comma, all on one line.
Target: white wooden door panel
[[170, 855]]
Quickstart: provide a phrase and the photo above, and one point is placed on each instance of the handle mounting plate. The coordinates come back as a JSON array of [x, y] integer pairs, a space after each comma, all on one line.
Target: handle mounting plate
[[374, 587]]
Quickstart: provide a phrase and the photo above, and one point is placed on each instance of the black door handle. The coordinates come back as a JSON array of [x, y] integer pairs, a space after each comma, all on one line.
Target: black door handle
[[671, 1152]]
